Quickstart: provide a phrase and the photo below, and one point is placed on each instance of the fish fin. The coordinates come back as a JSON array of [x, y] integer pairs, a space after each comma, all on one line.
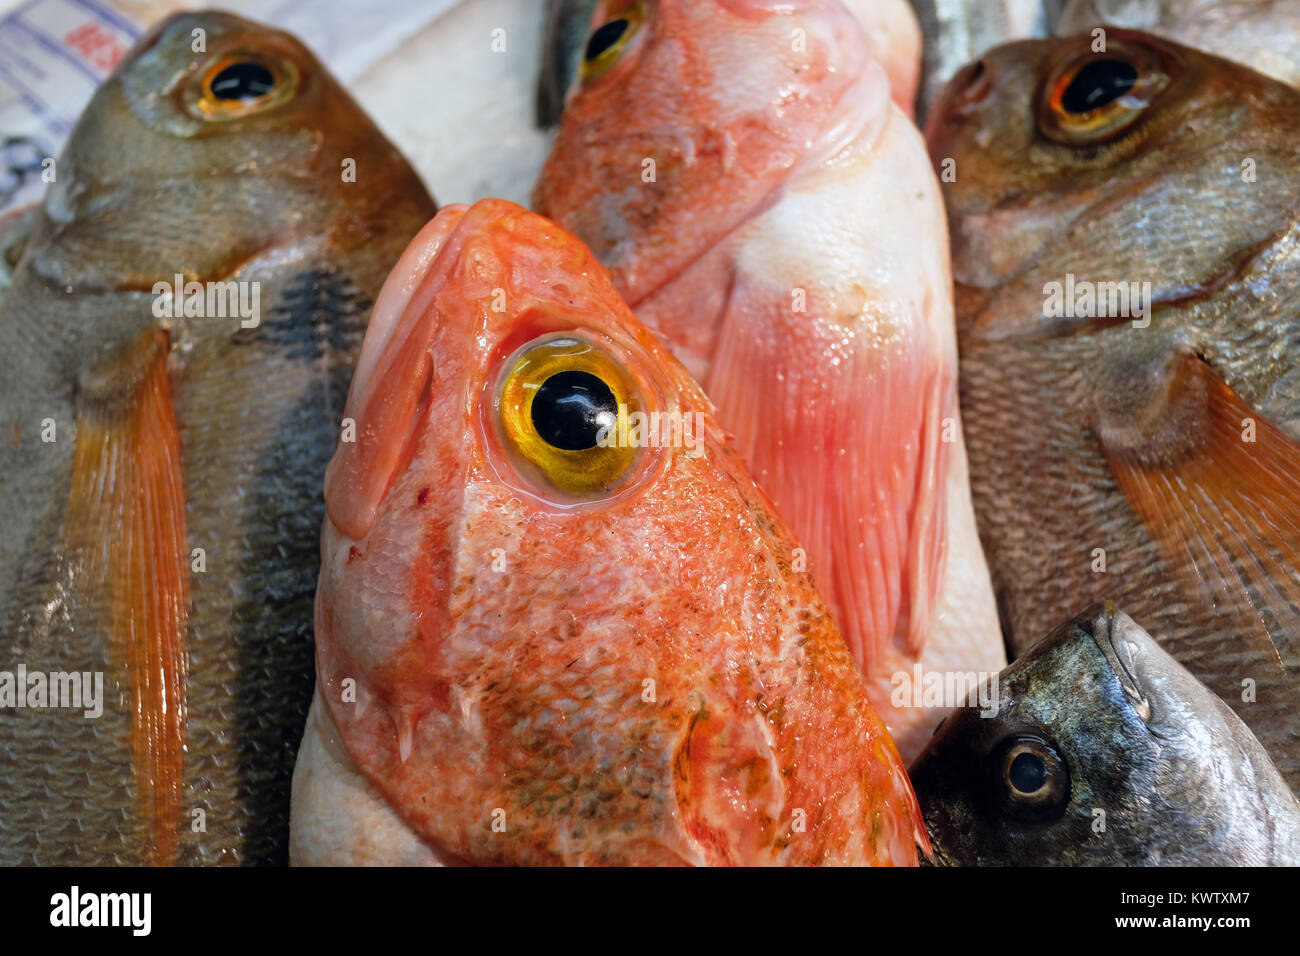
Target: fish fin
[[126, 514], [1219, 491], [851, 452]]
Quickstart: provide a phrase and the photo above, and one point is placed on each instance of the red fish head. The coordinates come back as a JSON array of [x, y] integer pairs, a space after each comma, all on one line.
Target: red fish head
[[556, 620], [692, 115]]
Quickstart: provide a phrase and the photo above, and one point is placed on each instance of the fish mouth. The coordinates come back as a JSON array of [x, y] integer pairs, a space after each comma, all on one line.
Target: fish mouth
[[1126, 647]]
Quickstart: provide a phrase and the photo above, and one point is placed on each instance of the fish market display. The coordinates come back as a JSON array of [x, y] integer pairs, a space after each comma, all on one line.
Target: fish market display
[[1124, 242], [557, 622], [176, 340], [1102, 750], [669, 523], [767, 210], [1263, 34]]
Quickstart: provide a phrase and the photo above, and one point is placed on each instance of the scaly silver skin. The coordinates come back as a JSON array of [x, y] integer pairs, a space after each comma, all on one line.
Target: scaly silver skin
[[1160, 771]]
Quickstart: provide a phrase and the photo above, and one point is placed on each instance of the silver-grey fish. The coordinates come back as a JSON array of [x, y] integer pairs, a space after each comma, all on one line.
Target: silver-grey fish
[[564, 38], [1103, 751]]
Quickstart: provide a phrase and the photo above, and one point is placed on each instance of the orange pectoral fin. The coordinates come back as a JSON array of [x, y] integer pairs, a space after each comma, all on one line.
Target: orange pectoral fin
[[843, 428], [1220, 493], [126, 513]]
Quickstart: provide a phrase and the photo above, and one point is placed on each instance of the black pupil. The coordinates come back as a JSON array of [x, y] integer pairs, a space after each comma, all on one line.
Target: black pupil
[[605, 37], [1028, 773], [570, 408], [242, 81], [1097, 84]]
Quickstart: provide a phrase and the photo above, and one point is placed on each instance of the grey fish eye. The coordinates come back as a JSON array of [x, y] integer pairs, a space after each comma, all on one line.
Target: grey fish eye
[[1098, 83]]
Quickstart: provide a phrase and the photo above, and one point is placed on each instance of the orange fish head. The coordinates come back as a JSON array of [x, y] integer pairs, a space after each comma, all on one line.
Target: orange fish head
[[550, 592], [689, 118]]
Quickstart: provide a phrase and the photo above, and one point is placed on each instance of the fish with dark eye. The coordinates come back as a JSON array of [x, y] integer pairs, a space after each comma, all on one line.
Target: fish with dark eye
[[1127, 253], [181, 322], [550, 633], [1100, 749]]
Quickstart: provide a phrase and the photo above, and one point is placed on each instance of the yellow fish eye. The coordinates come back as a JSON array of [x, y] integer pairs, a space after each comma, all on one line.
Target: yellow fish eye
[[563, 409], [608, 41], [1097, 97], [242, 83]]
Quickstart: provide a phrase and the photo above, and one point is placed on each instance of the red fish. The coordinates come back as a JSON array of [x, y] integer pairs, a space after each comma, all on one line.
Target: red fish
[[767, 210], [540, 643]]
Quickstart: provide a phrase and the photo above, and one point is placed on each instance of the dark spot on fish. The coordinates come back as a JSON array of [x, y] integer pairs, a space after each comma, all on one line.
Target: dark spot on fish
[[570, 409], [1098, 83], [353, 553], [423, 496]]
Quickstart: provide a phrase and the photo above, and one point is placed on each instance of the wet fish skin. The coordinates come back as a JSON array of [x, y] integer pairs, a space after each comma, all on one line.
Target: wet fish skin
[[639, 676], [1263, 34], [1082, 431], [1157, 770], [147, 189]]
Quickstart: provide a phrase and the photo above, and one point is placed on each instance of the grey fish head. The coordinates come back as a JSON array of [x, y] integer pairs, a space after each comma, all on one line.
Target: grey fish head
[[215, 139], [1103, 750]]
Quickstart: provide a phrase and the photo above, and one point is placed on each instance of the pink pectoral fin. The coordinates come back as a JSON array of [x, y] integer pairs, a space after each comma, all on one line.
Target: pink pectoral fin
[[842, 425]]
